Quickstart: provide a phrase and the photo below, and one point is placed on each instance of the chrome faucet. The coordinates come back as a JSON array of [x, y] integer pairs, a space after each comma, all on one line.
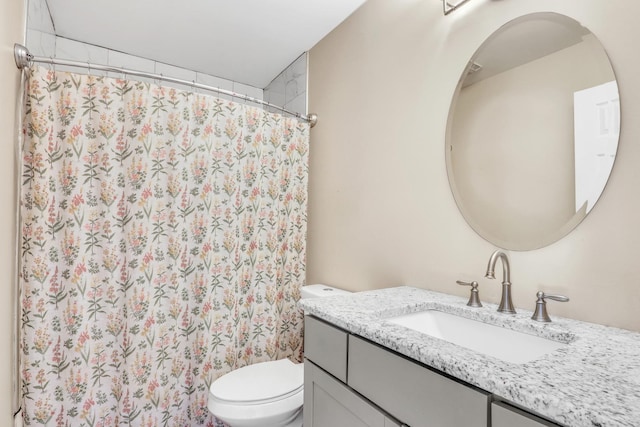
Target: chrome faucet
[[506, 306]]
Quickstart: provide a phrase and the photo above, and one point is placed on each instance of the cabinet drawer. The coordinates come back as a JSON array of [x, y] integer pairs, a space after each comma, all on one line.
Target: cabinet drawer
[[503, 415], [326, 346], [329, 403], [411, 392]]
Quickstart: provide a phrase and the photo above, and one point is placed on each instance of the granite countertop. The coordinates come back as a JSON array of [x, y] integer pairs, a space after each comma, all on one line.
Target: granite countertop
[[593, 381]]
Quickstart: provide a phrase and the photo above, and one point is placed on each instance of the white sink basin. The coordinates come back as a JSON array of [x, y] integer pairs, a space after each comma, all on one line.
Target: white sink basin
[[501, 343]]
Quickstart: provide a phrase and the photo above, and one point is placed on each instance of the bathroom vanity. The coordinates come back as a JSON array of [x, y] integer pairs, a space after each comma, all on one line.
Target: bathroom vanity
[[362, 369]]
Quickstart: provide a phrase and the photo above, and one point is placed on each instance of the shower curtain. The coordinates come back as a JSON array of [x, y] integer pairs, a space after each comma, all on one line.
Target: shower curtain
[[163, 245]]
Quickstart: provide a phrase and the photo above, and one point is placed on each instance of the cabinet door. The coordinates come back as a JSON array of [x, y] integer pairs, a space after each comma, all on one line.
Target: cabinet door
[[411, 392], [503, 415], [328, 403]]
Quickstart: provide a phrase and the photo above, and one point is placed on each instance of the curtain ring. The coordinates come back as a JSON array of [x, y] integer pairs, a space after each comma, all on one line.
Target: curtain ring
[[193, 87], [89, 68]]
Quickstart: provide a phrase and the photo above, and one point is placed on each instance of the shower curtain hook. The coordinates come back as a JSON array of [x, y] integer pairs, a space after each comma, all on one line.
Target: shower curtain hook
[[194, 89], [89, 68]]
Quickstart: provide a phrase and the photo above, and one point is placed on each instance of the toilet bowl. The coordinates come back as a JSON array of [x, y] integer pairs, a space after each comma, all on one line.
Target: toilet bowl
[[267, 394]]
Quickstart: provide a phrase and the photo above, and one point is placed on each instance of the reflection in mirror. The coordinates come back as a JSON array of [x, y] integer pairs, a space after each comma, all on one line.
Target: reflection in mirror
[[533, 131]]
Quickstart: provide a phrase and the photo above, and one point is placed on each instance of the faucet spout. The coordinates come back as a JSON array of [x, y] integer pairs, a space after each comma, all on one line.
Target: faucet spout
[[506, 305]]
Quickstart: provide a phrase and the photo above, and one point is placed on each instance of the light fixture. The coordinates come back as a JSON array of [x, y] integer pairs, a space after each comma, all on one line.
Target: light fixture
[[449, 6]]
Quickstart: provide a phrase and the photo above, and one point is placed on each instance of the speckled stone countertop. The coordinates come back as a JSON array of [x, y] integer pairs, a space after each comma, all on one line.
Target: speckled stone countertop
[[593, 381]]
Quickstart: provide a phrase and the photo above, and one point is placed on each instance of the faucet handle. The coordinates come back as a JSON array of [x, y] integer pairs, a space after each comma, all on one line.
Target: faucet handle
[[540, 314], [474, 298]]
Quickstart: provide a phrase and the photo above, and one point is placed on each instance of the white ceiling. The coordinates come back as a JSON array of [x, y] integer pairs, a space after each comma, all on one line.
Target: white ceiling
[[248, 41]]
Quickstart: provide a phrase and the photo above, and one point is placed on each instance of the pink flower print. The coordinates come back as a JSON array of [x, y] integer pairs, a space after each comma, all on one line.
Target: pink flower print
[[76, 385], [254, 195], [114, 323], [230, 357], [43, 411], [206, 308], [174, 125], [75, 132], [72, 317], [229, 242], [291, 148], [288, 197], [200, 110], [199, 169], [245, 280], [146, 194], [70, 247], [139, 303], [270, 294], [82, 340], [40, 196], [199, 288], [199, 228], [250, 173], [300, 195], [137, 173], [146, 129], [106, 127], [86, 407], [250, 300], [141, 367], [148, 324], [229, 299], [174, 248], [90, 89], [173, 185], [177, 367], [39, 124], [229, 184], [137, 238], [273, 191], [208, 130], [42, 340], [175, 308], [258, 139], [137, 109], [231, 129], [40, 269], [275, 138]]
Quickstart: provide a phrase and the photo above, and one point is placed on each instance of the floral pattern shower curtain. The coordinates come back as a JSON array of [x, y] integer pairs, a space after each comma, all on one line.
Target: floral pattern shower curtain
[[163, 245]]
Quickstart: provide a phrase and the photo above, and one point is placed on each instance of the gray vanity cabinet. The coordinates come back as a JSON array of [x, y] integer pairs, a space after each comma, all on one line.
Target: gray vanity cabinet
[[503, 415], [329, 403], [411, 392]]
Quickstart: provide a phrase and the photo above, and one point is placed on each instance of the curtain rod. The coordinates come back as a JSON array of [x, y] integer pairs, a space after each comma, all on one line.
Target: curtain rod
[[24, 59]]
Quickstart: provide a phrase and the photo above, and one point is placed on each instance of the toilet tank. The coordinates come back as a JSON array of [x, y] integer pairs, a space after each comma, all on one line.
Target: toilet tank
[[318, 291]]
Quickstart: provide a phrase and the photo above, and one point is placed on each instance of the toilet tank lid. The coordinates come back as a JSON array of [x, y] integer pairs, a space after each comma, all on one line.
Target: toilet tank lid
[[319, 290], [259, 382]]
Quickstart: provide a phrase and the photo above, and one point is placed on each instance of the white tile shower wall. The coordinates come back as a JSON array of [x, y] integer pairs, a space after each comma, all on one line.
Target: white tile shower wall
[[78, 51], [42, 41], [289, 88]]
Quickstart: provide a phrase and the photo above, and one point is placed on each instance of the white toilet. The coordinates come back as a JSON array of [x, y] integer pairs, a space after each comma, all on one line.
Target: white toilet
[[268, 394]]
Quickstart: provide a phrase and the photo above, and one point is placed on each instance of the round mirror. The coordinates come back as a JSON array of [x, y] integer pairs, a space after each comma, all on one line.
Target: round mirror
[[533, 131]]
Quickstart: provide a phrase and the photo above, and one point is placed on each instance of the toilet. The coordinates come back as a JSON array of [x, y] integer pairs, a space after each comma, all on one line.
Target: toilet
[[267, 394]]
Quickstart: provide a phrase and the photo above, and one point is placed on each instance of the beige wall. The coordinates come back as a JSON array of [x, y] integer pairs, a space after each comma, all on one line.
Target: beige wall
[[11, 31], [380, 209]]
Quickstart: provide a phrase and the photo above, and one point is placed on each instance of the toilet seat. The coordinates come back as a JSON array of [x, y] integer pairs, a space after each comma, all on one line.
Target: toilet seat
[[264, 392], [259, 383]]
